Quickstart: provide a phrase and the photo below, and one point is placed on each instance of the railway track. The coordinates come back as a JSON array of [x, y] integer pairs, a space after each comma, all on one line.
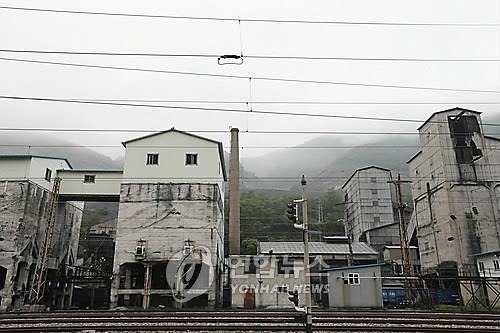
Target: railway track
[[246, 321]]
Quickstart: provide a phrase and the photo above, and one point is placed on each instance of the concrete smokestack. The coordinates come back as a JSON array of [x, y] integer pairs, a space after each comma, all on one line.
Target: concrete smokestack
[[234, 194]]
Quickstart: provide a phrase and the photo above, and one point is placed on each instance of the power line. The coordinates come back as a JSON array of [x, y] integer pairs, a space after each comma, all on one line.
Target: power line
[[113, 130], [240, 147], [261, 78], [278, 102], [210, 109], [250, 56], [255, 20], [319, 115]]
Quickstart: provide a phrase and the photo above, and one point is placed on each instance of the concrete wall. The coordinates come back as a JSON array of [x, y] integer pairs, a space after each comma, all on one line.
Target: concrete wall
[[22, 228], [165, 216], [106, 182], [367, 294]]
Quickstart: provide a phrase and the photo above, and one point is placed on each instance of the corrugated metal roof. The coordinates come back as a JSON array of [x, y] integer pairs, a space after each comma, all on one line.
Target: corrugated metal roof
[[332, 269], [314, 248]]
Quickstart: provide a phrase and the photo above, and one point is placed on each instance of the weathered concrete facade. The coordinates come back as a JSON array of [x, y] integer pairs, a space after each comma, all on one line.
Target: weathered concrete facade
[[369, 209], [23, 206], [455, 189], [166, 219]]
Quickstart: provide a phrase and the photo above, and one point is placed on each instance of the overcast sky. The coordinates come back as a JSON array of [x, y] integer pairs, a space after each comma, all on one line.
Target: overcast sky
[[25, 30]]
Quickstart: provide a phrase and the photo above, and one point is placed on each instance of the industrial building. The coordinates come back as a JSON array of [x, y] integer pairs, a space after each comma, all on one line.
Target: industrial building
[[171, 216], [455, 189], [369, 212], [265, 279], [26, 182]]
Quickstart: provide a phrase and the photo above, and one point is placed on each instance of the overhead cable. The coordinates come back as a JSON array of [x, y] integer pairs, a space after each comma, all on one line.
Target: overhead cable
[[156, 106], [261, 78], [255, 20], [291, 102], [250, 56]]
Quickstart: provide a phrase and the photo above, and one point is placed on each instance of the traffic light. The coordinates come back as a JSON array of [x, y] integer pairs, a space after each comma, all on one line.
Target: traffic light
[[294, 297], [292, 212]]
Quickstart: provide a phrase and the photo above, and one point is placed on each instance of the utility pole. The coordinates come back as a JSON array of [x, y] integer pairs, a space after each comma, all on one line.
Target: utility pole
[[304, 226], [403, 233], [307, 272], [348, 233], [234, 194]]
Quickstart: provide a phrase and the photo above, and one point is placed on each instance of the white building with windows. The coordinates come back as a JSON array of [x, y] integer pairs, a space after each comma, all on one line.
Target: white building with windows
[[488, 264], [171, 205], [38, 169]]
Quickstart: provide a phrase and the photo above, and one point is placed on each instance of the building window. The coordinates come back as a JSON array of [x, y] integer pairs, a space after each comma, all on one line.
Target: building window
[[250, 266], [285, 266], [397, 269], [374, 191], [89, 179], [481, 266], [496, 265], [375, 203], [353, 279], [152, 159], [373, 179], [376, 219], [48, 174], [191, 159]]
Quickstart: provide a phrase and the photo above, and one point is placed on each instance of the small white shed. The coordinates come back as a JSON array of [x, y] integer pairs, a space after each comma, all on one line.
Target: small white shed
[[355, 286]]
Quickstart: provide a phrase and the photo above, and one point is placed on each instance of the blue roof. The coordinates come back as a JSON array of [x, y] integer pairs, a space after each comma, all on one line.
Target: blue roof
[[350, 267]]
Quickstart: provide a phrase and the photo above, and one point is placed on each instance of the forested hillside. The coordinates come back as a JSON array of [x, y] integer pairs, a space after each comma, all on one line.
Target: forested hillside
[[264, 218]]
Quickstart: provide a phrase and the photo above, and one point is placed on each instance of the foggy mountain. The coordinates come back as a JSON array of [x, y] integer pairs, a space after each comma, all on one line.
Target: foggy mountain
[[330, 166], [79, 157], [325, 167]]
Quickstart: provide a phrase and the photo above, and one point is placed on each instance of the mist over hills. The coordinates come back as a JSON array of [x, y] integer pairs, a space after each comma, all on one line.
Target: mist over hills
[[79, 157], [276, 173], [262, 174], [331, 166]]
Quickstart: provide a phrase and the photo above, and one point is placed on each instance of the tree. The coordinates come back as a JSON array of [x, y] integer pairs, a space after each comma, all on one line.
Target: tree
[[249, 246]]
